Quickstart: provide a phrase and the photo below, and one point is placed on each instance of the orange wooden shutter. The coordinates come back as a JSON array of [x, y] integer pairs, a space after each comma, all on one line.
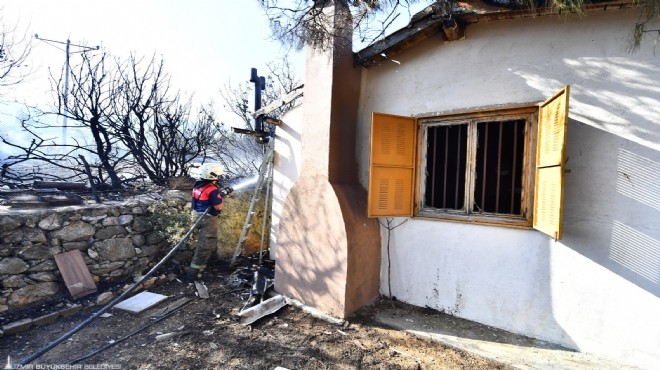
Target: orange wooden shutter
[[392, 166], [550, 154]]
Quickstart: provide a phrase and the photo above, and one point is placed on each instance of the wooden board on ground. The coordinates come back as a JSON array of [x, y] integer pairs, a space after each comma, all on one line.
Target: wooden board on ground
[[140, 302], [75, 273], [170, 307]]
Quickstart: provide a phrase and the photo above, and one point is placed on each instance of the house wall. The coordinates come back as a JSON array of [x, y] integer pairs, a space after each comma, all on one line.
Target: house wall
[[597, 289], [327, 249], [286, 169]]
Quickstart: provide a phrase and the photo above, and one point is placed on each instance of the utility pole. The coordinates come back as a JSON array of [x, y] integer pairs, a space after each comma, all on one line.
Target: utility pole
[[67, 68]]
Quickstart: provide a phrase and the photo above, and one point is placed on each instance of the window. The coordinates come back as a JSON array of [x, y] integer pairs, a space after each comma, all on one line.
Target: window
[[476, 165], [501, 166]]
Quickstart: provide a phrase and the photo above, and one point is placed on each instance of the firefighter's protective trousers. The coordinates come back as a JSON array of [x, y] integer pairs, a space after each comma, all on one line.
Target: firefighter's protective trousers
[[207, 240]]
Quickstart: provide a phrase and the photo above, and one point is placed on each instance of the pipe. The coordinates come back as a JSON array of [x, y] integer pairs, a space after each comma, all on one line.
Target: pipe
[[68, 334]]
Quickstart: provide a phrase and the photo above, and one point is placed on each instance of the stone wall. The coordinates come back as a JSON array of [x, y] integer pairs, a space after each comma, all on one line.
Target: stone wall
[[117, 240]]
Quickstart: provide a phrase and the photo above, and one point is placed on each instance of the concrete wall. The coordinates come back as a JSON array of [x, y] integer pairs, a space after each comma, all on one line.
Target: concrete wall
[[596, 290]]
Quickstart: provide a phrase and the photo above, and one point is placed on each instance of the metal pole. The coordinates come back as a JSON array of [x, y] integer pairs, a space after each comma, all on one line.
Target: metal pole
[[66, 90], [67, 69]]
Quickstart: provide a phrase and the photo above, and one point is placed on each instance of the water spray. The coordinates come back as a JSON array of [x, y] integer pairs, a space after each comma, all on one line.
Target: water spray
[[245, 183]]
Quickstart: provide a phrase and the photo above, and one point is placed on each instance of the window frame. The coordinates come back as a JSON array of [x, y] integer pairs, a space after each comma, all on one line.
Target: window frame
[[528, 113]]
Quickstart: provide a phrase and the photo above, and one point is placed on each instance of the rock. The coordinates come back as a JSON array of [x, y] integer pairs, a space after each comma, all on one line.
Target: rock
[[8, 224], [114, 212], [93, 219], [36, 252], [149, 251], [118, 249], [141, 224], [138, 240], [33, 293], [155, 238], [5, 252], [103, 269], [125, 220], [13, 266], [31, 222], [104, 298], [110, 232], [16, 281], [93, 254], [51, 222], [43, 276], [48, 265], [34, 235], [149, 283], [75, 231], [69, 246], [110, 221], [15, 236]]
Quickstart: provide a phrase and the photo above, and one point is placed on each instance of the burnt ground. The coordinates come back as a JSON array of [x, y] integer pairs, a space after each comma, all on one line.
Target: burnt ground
[[208, 335]]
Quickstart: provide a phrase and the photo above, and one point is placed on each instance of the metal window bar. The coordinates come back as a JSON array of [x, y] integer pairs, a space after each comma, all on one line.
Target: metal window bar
[[485, 161], [444, 189], [458, 167], [514, 173], [499, 168], [434, 158]]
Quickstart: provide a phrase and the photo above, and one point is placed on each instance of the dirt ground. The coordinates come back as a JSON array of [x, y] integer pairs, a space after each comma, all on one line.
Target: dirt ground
[[208, 335]]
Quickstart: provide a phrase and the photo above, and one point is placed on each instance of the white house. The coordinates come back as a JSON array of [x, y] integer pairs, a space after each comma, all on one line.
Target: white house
[[518, 155]]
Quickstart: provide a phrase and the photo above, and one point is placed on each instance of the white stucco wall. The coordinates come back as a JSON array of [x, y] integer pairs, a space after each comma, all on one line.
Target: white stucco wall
[[597, 290], [286, 167]]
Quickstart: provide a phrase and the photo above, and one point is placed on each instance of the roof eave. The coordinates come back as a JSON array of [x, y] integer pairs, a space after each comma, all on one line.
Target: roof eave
[[426, 27]]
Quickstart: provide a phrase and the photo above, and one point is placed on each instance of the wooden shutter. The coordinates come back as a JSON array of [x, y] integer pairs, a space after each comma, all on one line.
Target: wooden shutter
[[550, 154], [392, 166]]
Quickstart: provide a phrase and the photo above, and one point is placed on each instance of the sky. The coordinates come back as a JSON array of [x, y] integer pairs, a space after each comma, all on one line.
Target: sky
[[206, 44]]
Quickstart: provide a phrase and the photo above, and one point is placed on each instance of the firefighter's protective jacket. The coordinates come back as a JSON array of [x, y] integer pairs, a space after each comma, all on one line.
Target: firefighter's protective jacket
[[206, 194]]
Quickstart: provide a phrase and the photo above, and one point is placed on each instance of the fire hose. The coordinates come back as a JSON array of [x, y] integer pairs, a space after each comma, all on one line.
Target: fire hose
[[68, 334]]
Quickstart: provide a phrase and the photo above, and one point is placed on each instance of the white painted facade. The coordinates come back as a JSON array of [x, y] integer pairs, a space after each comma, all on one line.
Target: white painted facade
[[597, 290], [286, 168]]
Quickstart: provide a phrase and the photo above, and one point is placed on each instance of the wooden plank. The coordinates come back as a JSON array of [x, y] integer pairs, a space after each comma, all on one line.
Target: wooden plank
[[140, 302], [61, 185], [75, 273]]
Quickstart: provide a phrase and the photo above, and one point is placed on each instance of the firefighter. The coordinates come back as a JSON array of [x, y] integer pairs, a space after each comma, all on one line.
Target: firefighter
[[206, 195]]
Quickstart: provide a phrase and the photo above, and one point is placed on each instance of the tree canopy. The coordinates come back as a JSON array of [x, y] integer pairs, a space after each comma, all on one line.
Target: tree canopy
[[300, 22]]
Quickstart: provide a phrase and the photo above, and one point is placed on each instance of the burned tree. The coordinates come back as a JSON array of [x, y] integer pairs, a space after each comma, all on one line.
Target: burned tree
[[94, 153], [88, 104], [155, 125], [14, 50]]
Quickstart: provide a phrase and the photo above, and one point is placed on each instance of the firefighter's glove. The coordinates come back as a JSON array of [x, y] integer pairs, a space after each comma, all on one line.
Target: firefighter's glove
[[226, 191]]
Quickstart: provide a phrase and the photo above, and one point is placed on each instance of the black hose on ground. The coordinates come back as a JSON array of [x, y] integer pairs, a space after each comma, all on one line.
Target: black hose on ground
[[68, 334], [127, 336]]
